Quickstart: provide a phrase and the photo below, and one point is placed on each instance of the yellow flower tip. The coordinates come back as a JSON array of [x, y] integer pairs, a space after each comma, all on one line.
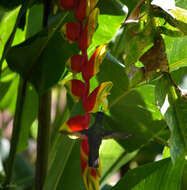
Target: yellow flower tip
[[68, 84], [92, 23], [90, 5], [99, 170], [93, 3], [100, 55], [101, 98], [105, 104], [68, 64], [55, 9], [64, 33], [103, 49], [63, 29], [65, 128]]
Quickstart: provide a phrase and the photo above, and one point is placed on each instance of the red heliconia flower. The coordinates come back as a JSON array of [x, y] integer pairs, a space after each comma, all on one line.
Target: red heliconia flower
[[71, 31], [87, 16], [83, 40], [91, 68], [80, 10], [84, 8], [74, 63], [76, 88], [76, 123], [97, 98], [90, 175], [67, 4], [87, 33]]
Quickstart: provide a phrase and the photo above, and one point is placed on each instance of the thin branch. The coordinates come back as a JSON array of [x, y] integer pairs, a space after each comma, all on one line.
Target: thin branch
[[161, 141]]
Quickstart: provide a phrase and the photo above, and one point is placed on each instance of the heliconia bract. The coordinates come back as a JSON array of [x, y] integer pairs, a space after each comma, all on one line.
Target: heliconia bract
[[71, 31], [67, 4], [82, 31], [87, 33]]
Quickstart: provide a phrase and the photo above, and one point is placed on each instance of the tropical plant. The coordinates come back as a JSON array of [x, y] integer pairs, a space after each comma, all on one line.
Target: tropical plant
[[92, 94]]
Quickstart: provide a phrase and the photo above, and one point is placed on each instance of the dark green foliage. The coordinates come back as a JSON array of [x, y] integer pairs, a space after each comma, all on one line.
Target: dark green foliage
[[152, 107]]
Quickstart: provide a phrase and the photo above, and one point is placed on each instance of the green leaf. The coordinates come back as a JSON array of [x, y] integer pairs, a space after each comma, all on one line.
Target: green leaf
[[11, 37], [107, 187], [7, 89], [181, 3], [23, 173], [61, 152], [158, 175], [111, 71], [180, 114], [114, 7], [166, 152], [184, 177], [40, 58], [107, 28], [11, 4], [109, 21], [138, 78], [21, 57], [58, 159], [176, 52], [8, 5], [130, 4], [8, 19], [133, 42], [161, 90], [30, 112], [35, 18], [110, 151], [113, 157], [175, 17], [181, 16], [174, 116], [72, 175], [135, 112]]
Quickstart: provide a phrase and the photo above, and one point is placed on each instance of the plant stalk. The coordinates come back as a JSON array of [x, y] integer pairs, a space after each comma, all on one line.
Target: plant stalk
[[43, 139], [44, 122], [15, 132]]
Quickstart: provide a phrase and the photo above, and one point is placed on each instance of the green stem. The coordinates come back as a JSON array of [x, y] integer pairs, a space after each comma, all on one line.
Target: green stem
[[16, 131], [44, 121], [161, 141], [43, 140]]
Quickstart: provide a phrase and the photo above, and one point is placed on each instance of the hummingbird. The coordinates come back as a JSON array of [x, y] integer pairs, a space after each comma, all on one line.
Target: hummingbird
[[95, 134]]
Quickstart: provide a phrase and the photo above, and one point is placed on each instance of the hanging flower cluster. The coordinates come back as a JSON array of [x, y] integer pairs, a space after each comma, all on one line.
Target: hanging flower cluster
[[82, 32]]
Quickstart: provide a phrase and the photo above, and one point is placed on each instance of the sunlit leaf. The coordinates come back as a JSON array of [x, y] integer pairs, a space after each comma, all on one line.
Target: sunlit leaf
[[176, 52], [153, 176], [175, 111]]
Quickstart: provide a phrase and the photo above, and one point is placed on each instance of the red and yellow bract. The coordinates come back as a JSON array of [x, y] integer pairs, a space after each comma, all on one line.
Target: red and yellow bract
[[82, 32]]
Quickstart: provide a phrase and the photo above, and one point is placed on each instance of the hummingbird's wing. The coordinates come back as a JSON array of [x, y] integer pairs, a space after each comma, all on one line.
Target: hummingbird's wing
[[116, 135]]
